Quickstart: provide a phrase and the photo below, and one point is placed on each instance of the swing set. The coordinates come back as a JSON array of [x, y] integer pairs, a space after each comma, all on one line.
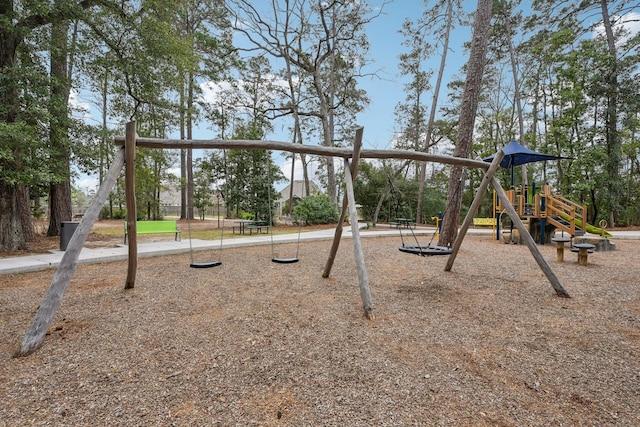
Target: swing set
[[125, 158]]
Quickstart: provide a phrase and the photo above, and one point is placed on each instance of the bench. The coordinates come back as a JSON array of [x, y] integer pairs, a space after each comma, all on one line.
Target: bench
[[484, 222], [155, 227], [257, 228]]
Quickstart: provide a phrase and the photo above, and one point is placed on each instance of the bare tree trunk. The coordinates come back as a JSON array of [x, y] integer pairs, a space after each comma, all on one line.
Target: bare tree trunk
[[59, 207], [614, 146], [59, 192], [11, 235], [516, 89], [328, 161], [434, 106], [305, 173], [466, 123], [383, 197], [24, 207], [294, 94], [292, 179]]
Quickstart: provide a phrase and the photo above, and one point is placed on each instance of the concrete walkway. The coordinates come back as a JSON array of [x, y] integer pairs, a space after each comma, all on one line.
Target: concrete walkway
[[168, 247]]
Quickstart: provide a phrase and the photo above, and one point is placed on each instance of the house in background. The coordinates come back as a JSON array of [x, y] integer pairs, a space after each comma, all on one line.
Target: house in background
[[299, 192], [170, 199], [171, 202]]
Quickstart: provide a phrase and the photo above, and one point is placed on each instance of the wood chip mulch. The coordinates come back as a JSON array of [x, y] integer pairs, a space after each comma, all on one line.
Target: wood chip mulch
[[253, 343]]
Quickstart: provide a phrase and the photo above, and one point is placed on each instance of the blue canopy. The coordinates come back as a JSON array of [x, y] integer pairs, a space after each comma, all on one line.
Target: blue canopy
[[515, 155]]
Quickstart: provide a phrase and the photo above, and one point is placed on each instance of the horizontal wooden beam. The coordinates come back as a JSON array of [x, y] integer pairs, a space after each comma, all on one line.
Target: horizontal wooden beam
[[243, 144]]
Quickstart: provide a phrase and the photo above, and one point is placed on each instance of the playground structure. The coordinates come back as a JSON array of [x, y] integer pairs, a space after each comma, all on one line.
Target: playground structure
[[544, 211], [126, 157]]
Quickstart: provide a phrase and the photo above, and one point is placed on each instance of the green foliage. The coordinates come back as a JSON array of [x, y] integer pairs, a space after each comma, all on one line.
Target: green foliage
[[202, 193], [119, 214], [368, 188], [402, 199], [400, 193], [315, 210], [38, 209], [151, 179], [248, 177]]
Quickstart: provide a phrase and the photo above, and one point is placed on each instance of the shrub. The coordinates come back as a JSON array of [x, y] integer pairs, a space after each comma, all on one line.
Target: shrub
[[315, 210], [119, 214]]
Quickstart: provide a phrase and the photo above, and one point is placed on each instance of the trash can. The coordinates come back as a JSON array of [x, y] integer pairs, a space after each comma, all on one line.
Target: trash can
[[67, 228]]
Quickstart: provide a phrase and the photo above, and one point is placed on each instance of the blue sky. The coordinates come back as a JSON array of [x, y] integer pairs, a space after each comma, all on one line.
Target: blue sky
[[387, 91]]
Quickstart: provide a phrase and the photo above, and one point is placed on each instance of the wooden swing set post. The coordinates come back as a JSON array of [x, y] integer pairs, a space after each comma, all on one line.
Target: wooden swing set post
[[363, 279], [357, 145], [531, 244], [130, 203]]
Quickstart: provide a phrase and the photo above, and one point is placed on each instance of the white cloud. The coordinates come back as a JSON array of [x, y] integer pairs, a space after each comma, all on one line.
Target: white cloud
[[81, 108], [212, 91], [86, 183], [630, 21]]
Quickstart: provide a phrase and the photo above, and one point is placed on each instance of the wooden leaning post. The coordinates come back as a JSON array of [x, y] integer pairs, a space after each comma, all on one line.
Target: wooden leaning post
[[357, 145], [67, 267], [126, 157], [350, 171]]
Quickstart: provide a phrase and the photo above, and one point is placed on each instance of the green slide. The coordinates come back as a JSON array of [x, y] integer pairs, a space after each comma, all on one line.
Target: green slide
[[590, 228]]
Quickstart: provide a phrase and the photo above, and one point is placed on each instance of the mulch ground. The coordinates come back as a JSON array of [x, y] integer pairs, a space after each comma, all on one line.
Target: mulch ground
[[257, 343]]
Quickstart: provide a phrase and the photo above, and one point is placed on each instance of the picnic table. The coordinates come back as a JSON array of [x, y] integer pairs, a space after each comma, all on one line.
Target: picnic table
[[251, 225], [258, 227], [242, 225], [404, 223]]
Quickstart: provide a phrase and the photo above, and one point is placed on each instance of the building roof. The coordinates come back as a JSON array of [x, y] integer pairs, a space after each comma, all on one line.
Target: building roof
[[299, 190]]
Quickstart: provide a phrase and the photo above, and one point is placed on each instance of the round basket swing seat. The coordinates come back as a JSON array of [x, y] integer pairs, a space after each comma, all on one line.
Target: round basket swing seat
[[426, 250]]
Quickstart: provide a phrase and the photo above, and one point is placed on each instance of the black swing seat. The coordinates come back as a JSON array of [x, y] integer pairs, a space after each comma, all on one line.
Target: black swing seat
[[205, 264], [284, 260], [426, 250]]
